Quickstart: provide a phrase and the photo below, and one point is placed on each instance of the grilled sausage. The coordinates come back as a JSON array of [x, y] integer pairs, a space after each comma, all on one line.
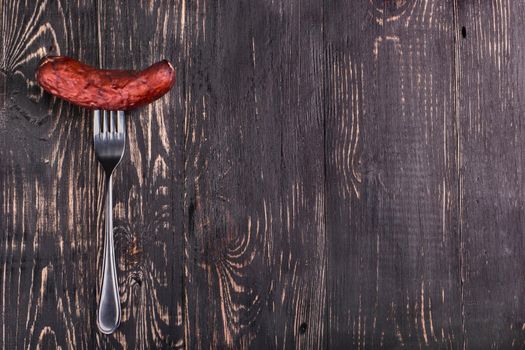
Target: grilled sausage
[[94, 88]]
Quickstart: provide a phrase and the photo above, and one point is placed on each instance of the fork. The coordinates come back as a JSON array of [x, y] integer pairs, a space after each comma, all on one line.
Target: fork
[[109, 139]]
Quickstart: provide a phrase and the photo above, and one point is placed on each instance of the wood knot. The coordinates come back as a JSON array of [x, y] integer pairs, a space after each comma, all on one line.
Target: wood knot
[[135, 279], [303, 327], [390, 10]]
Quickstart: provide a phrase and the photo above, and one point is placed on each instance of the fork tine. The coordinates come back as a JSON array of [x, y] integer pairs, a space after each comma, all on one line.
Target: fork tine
[[96, 122], [105, 121], [112, 121], [121, 127]]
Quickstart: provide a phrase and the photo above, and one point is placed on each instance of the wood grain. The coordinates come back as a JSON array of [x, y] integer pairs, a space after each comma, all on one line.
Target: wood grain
[[254, 179], [491, 106], [323, 175], [393, 267], [47, 211]]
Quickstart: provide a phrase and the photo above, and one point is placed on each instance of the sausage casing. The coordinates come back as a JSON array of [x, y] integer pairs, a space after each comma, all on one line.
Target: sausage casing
[[108, 89]]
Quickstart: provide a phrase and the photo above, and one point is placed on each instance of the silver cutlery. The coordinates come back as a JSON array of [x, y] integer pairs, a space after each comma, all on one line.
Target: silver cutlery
[[109, 139]]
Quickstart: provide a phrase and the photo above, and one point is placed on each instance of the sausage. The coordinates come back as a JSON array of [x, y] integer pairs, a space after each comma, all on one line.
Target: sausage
[[95, 88]]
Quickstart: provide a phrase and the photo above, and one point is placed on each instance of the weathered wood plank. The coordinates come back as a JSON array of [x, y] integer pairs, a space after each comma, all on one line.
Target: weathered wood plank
[[393, 260], [148, 189], [342, 175], [255, 239], [47, 201], [491, 107]]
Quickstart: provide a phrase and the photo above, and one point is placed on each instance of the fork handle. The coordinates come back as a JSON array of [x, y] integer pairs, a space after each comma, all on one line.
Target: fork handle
[[109, 305]]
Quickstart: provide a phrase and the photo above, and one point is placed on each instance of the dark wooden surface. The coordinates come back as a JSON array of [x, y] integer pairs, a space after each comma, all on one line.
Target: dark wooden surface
[[343, 174]]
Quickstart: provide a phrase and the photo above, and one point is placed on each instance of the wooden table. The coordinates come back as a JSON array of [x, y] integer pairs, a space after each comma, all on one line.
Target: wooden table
[[324, 174]]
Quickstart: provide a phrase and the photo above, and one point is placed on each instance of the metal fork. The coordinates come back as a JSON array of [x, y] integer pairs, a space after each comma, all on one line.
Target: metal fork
[[109, 139]]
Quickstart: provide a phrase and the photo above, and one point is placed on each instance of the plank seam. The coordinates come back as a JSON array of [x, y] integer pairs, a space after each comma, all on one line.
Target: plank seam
[[457, 69]]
